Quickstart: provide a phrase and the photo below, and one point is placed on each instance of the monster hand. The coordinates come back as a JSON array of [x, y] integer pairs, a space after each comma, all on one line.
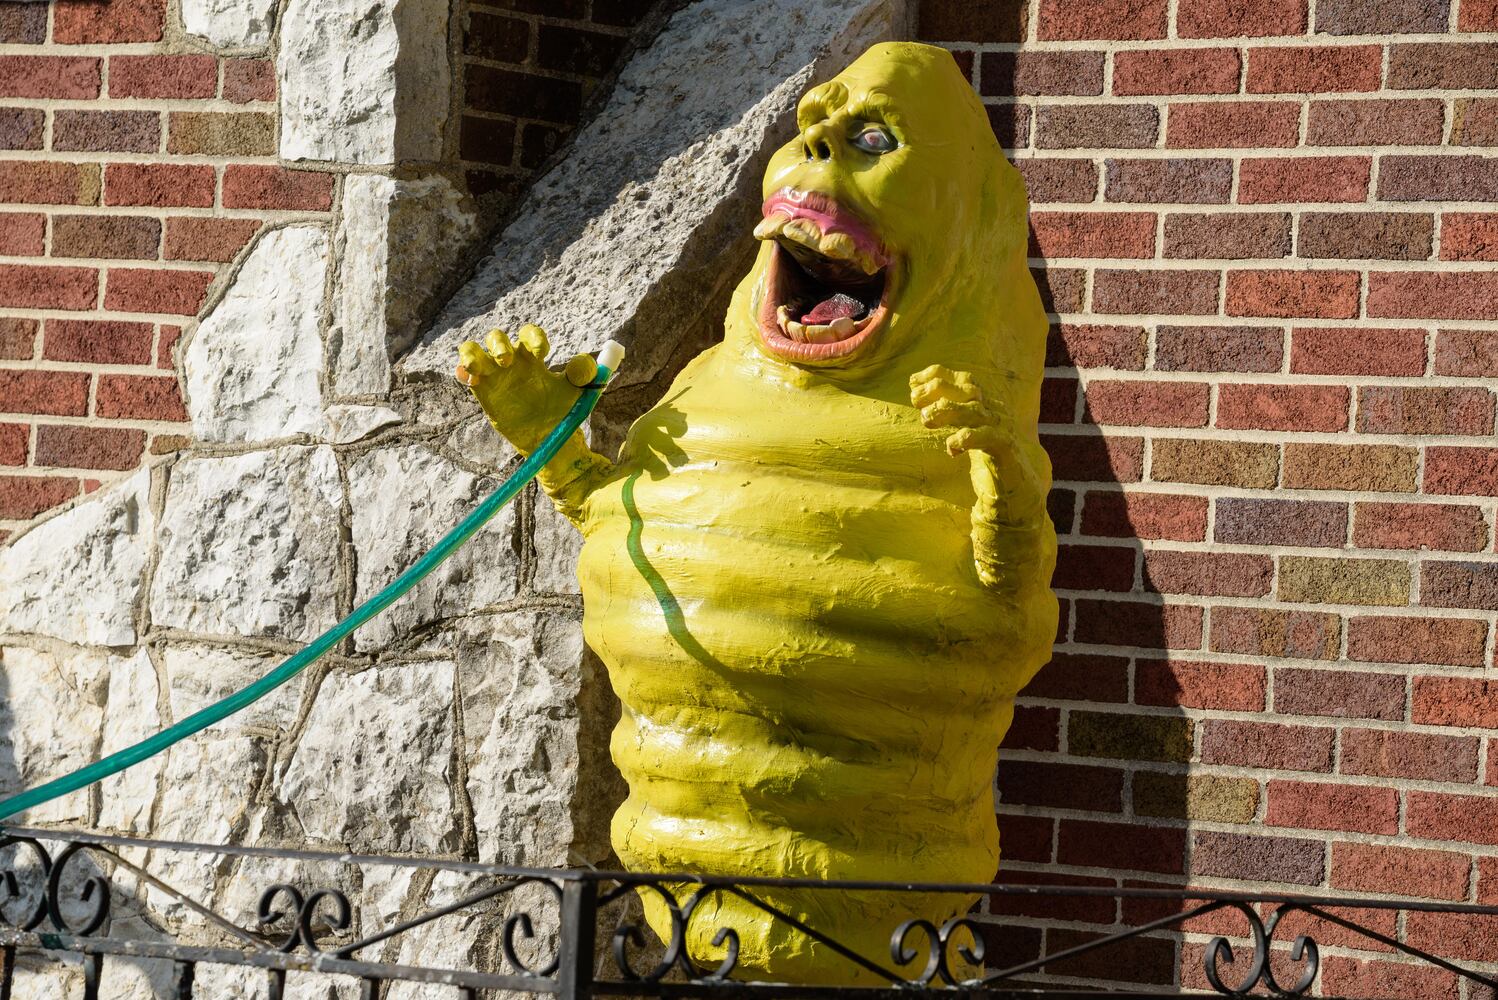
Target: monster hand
[[1006, 514], [524, 400]]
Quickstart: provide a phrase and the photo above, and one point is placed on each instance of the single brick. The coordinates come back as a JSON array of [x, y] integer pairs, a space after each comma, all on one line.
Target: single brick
[[1096, 126], [46, 183], [1314, 69], [159, 184], [1316, 294], [1147, 404], [1375, 123], [1089, 909], [1121, 846], [1058, 400], [1250, 465], [1322, 806], [28, 286], [1009, 74], [166, 344], [1307, 635], [1357, 351], [1139, 624], [1456, 642], [1433, 295], [1091, 459], [1329, 580], [1469, 236], [1303, 179], [1062, 289], [1258, 857], [217, 133], [1183, 71], [620, 13], [1271, 745], [1474, 121], [1366, 235], [1236, 18], [1094, 567], [62, 394], [1461, 471], [1219, 348], [1010, 124], [1416, 756], [22, 128], [197, 238], [508, 92], [1081, 677], [485, 140], [1381, 17], [1282, 407], [17, 338], [1438, 178], [565, 49], [24, 497], [1095, 346], [247, 80], [23, 24], [1034, 728], [149, 290], [1119, 514], [1000, 21], [1227, 236], [139, 397], [112, 236], [1348, 976], [1129, 737], [76, 22], [1459, 585], [1477, 15], [163, 76], [1059, 180], [1176, 292], [15, 441], [1246, 521], [1424, 410], [1051, 785], [67, 77], [277, 188], [22, 234], [1181, 181], [1027, 838], [1210, 574], [116, 131], [1340, 694], [1443, 527], [168, 444], [104, 342], [1228, 687], [1466, 353], [1443, 65], [1195, 797], [498, 38], [1217, 124], [1082, 19], [1469, 702], [71, 447], [1092, 234], [1470, 819]]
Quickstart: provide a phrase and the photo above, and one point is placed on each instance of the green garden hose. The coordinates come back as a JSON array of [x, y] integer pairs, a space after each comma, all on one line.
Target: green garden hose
[[608, 362]]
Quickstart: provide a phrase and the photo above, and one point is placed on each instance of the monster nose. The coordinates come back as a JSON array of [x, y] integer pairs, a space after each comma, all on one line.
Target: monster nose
[[817, 142]]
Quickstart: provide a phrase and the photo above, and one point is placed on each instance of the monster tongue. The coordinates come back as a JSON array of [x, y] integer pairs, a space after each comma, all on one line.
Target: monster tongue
[[827, 310]]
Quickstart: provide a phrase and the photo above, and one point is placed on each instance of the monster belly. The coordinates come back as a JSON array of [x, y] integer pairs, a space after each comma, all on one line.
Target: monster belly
[[814, 682]]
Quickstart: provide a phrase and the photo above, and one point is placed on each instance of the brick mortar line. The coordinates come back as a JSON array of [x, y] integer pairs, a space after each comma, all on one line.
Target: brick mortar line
[[1165, 102], [115, 263], [270, 216], [1087, 376], [1303, 265], [132, 158], [1267, 718], [1177, 44], [1261, 436], [180, 105]]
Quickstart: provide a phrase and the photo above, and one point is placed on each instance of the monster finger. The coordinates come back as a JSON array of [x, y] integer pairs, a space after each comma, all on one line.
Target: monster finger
[[929, 392], [533, 339], [947, 413], [985, 439], [580, 370], [500, 347], [931, 373], [474, 363]]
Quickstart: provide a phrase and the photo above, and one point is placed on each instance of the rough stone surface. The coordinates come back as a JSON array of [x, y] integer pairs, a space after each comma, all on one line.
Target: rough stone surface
[[372, 768], [601, 245], [76, 576], [404, 499], [252, 367], [349, 422], [131, 716], [249, 545], [51, 714], [230, 24], [363, 81]]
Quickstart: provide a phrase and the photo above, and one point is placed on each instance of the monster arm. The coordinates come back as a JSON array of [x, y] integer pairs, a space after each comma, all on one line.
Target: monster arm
[[524, 400]]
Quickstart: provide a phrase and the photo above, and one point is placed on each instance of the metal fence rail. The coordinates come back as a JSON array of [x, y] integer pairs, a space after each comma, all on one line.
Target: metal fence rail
[[63, 893]]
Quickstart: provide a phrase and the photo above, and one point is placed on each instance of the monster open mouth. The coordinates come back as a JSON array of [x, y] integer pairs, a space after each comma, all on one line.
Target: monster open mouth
[[829, 279]]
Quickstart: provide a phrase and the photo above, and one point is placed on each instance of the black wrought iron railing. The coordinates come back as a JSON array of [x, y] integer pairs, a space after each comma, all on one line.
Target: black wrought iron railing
[[81, 907]]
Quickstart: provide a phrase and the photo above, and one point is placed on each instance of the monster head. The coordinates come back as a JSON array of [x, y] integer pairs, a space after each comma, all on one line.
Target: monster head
[[891, 220]]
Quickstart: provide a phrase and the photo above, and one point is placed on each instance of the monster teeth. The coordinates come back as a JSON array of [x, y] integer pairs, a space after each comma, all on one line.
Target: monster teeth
[[866, 263], [803, 231], [838, 246], [843, 326], [795, 330], [769, 228]]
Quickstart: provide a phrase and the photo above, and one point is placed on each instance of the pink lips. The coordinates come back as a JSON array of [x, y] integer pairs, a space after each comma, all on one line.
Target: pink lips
[[828, 216]]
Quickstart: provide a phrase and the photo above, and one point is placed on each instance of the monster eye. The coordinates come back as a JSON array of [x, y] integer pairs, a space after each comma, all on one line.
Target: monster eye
[[876, 140]]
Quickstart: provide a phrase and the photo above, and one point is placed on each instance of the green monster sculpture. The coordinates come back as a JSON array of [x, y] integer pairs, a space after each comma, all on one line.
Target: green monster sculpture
[[818, 571]]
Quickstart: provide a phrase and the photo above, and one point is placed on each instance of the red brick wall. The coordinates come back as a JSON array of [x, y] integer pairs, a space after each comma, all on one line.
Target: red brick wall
[[1266, 230]]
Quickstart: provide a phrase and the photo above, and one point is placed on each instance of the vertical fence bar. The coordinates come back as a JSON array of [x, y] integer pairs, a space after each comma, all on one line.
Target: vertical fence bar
[[575, 951], [93, 972], [7, 970], [187, 972]]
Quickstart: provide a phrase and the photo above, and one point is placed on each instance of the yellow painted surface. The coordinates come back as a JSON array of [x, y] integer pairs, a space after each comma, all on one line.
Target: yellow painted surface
[[817, 599]]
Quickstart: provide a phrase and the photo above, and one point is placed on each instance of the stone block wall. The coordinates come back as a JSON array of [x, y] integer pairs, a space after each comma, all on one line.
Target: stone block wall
[[1267, 233]]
